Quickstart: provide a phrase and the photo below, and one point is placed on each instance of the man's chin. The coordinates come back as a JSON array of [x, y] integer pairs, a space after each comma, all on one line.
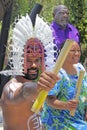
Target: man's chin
[[31, 77]]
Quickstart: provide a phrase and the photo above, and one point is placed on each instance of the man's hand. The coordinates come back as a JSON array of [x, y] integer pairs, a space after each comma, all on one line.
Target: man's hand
[[47, 80]]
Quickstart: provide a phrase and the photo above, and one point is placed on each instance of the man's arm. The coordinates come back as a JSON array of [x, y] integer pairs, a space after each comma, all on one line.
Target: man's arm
[[16, 92]]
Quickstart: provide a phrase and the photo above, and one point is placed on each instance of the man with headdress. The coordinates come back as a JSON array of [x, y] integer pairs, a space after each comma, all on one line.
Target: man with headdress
[[31, 52]]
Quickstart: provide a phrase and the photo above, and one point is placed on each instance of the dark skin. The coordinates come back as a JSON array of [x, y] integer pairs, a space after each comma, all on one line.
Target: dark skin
[[57, 104], [72, 58], [61, 15], [17, 99]]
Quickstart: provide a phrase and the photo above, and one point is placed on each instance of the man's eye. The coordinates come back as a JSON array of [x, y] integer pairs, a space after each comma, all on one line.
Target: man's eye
[[38, 60], [29, 61], [64, 13]]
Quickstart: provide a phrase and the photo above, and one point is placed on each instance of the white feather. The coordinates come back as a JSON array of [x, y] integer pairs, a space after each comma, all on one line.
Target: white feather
[[23, 31]]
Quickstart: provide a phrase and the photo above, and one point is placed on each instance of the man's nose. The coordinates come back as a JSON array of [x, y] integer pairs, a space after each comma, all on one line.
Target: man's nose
[[66, 15], [34, 65]]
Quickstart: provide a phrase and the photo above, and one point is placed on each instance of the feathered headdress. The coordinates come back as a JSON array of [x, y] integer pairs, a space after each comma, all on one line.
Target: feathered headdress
[[22, 32]]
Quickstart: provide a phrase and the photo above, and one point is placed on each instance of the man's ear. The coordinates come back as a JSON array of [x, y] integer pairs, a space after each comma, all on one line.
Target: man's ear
[[53, 15]]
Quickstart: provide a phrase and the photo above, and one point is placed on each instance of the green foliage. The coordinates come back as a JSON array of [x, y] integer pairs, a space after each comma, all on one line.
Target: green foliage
[[20, 7], [78, 17], [24, 6], [77, 8], [84, 53], [47, 10], [0, 25]]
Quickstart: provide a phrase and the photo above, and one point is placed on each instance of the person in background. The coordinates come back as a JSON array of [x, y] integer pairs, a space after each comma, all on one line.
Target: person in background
[[61, 27], [29, 57], [61, 99]]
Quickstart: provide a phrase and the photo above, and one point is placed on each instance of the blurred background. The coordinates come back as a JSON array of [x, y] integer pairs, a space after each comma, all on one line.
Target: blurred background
[[10, 9], [78, 16]]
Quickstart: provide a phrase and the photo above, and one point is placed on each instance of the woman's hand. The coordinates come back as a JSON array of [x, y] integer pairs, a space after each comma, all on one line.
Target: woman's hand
[[72, 105], [61, 105]]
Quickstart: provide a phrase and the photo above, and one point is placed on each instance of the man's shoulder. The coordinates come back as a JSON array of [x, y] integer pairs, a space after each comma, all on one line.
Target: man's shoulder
[[12, 85], [54, 25], [13, 80], [72, 27]]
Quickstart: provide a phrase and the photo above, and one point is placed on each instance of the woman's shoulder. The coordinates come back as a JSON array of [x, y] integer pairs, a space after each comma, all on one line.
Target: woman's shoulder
[[62, 73], [79, 66]]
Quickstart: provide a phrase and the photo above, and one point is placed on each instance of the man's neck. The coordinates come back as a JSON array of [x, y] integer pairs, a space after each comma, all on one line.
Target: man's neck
[[22, 79], [61, 26]]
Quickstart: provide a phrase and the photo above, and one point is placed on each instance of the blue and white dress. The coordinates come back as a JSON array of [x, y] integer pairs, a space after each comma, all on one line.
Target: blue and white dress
[[64, 90]]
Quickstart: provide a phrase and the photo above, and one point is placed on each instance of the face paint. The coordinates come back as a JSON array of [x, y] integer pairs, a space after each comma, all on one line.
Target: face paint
[[33, 59], [26, 45]]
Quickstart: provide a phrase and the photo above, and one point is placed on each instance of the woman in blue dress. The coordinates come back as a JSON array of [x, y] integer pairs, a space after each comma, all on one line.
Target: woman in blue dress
[[61, 99]]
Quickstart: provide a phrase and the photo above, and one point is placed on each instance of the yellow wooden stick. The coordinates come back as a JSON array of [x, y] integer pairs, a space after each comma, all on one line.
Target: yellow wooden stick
[[78, 85], [61, 58]]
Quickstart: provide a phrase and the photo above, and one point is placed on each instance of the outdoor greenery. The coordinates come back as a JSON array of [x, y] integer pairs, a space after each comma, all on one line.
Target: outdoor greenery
[[78, 15]]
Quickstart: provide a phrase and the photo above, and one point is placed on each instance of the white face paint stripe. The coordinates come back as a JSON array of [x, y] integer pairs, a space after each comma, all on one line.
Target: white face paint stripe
[[11, 88], [37, 124], [14, 86]]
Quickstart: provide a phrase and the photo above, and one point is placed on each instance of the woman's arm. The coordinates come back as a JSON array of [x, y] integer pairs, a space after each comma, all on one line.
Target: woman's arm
[[61, 105]]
